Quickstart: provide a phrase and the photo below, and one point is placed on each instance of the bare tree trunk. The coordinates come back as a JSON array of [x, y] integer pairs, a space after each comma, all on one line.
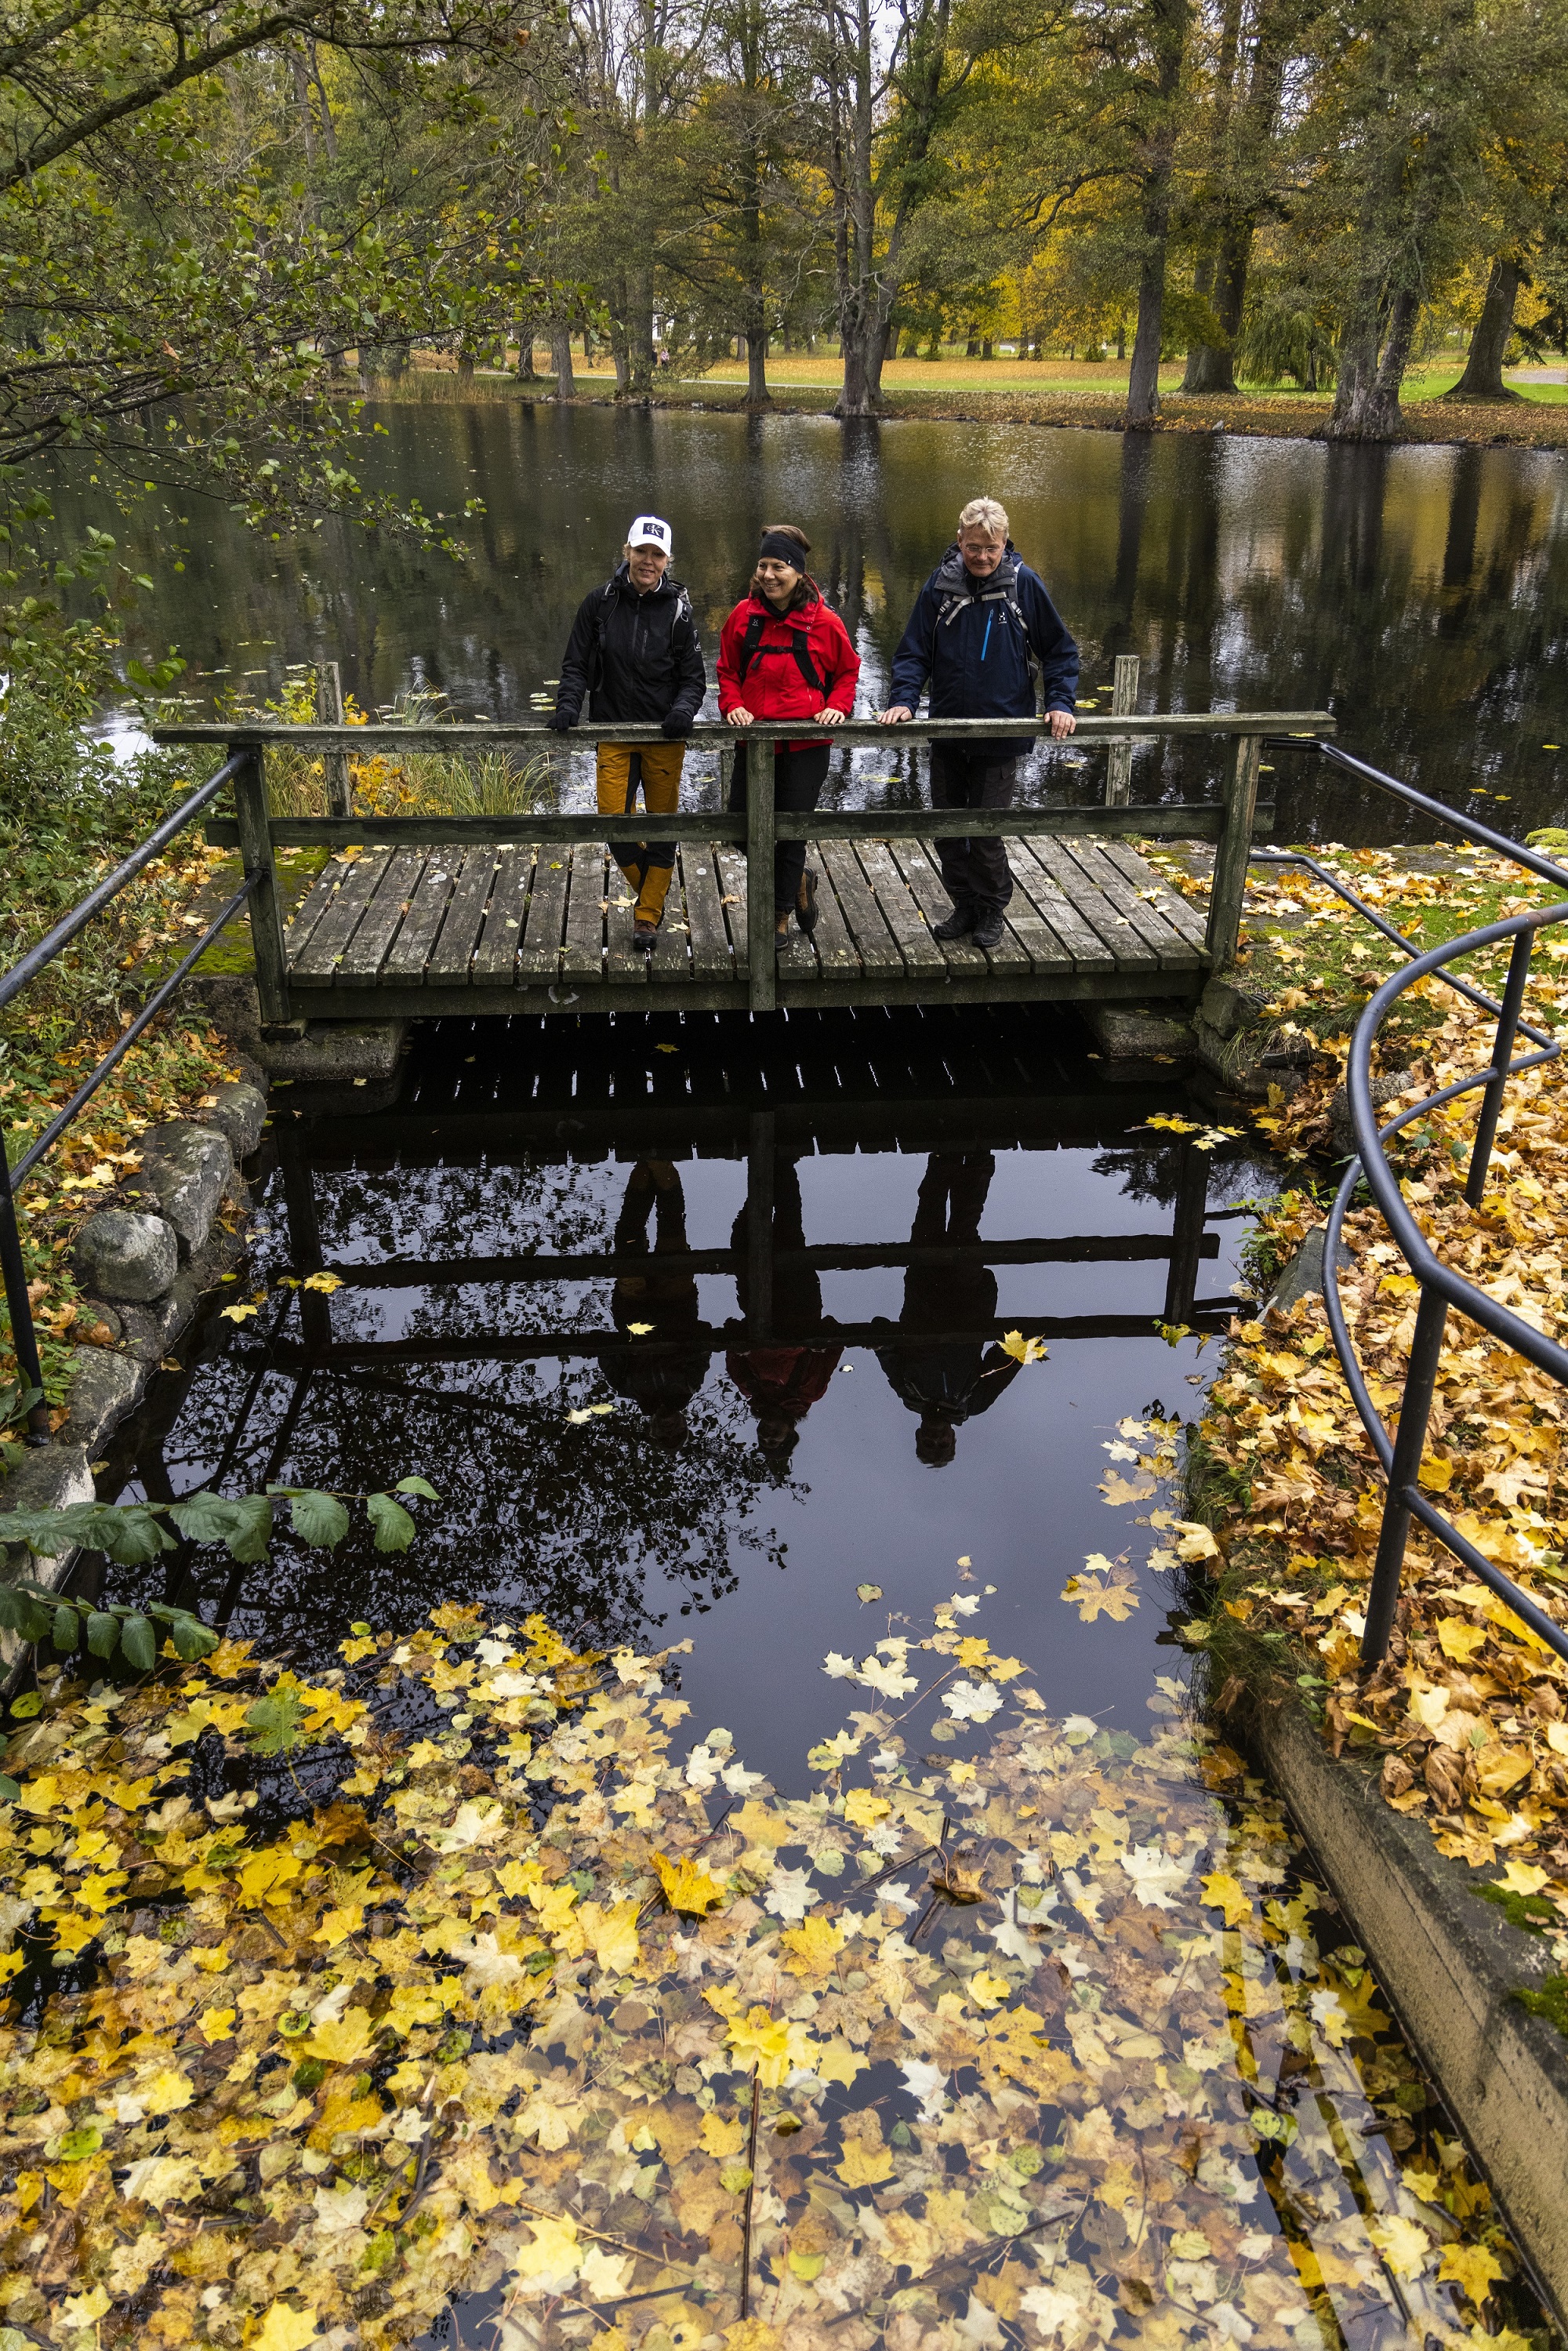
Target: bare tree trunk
[[560, 360], [1211, 367], [523, 330], [1144, 377], [756, 393], [1482, 378]]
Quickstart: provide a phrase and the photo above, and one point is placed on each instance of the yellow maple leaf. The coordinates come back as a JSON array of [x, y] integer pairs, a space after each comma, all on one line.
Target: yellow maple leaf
[[266, 1877], [1022, 1350], [1522, 1877], [1460, 1640], [611, 1936], [1472, 2267], [862, 1810], [813, 1945], [687, 1887], [865, 2162], [1403, 2244], [837, 2061], [212, 1958], [720, 2138], [759, 1825], [774, 2045], [284, 2329], [987, 1989], [553, 2253], [337, 1926], [217, 2024], [1221, 1891], [326, 1282], [342, 2042]]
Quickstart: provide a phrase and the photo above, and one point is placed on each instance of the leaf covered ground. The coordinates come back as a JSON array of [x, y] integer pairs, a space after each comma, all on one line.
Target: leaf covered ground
[[1470, 1709], [466, 1972]]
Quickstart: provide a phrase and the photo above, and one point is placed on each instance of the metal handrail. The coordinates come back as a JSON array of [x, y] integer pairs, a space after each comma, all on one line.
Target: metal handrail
[[24, 1333], [1440, 1287]]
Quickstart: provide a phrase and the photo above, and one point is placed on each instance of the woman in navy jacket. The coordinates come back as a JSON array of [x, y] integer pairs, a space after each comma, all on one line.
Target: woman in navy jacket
[[981, 626]]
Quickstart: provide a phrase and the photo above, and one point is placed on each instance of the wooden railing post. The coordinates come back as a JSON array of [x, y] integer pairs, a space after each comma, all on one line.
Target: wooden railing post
[[760, 849], [1123, 702], [1233, 849], [266, 911], [329, 712]]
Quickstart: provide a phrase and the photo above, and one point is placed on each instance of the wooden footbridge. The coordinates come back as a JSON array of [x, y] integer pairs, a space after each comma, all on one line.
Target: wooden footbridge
[[442, 915]]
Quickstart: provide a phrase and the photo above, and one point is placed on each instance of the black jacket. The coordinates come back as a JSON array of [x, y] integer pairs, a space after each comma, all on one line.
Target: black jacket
[[633, 657]]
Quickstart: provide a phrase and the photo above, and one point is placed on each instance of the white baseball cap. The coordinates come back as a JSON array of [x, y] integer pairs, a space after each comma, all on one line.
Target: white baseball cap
[[648, 530]]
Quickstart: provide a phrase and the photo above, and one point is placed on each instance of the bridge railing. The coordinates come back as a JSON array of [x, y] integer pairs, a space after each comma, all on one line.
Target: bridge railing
[[1231, 823]]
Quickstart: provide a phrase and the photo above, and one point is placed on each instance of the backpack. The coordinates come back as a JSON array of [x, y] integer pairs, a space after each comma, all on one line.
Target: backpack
[[755, 625], [955, 592]]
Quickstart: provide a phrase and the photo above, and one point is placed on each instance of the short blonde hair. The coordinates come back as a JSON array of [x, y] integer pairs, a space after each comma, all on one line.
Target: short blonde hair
[[985, 514]]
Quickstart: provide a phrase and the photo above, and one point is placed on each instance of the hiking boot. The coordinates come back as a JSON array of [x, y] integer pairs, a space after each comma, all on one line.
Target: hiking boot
[[643, 936], [958, 926], [987, 933], [806, 906]]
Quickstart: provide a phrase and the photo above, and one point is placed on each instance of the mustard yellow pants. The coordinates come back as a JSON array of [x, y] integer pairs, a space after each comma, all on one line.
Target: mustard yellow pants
[[656, 769]]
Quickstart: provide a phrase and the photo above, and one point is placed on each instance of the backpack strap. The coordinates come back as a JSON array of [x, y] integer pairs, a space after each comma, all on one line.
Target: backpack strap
[[749, 642]]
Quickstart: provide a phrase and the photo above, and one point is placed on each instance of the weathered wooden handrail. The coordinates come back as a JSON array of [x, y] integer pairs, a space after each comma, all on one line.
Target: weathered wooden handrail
[[1230, 823]]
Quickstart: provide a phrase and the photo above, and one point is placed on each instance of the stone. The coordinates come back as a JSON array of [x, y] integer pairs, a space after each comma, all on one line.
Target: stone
[[1385, 1090], [124, 1253], [1140, 1032], [98, 1324], [186, 1169], [54, 1478], [151, 1331], [1303, 1276], [238, 1112], [335, 1051], [1228, 1006], [105, 1387]]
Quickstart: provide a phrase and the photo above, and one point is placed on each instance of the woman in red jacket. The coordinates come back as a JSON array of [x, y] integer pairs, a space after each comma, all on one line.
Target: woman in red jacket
[[782, 654]]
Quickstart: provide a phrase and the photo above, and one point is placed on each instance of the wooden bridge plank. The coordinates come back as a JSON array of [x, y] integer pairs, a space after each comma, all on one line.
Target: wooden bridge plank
[[1183, 916], [1173, 952], [835, 949], [298, 930], [539, 955], [1055, 909], [329, 940], [671, 958], [379, 925], [453, 952], [1129, 951], [495, 956], [406, 957], [731, 866], [872, 941], [1039, 941], [583, 953], [710, 956], [921, 872], [920, 951]]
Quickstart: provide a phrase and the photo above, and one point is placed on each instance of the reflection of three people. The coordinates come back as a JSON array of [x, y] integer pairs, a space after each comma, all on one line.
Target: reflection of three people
[[936, 1358]]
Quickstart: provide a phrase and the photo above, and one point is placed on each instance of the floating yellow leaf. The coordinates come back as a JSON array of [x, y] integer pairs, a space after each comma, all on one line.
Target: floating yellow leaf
[[865, 2162], [862, 1810], [1222, 1892], [284, 2329], [687, 1887], [1022, 1350], [1474, 2267], [812, 1945], [721, 2138]]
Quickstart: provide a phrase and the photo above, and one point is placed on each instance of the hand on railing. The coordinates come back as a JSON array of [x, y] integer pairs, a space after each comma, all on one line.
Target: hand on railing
[[897, 715], [828, 716]]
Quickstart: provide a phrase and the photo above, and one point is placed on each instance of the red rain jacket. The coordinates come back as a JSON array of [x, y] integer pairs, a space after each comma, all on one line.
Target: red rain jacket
[[775, 684]]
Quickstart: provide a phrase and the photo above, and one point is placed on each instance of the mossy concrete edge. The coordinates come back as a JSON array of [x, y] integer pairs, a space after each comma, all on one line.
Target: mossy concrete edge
[[1448, 1962]]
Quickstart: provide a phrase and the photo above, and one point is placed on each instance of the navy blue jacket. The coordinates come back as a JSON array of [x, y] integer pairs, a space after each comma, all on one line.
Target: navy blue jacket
[[977, 642]]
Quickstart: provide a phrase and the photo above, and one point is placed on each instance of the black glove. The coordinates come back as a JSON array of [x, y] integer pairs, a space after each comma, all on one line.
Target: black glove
[[559, 722], [676, 723]]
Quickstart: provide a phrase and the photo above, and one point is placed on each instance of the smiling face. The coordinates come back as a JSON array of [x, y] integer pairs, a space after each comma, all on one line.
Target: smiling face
[[646, 566], [777, 581], [982, 551]]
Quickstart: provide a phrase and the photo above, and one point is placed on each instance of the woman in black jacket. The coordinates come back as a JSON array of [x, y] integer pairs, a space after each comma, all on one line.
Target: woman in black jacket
[[633, 652]]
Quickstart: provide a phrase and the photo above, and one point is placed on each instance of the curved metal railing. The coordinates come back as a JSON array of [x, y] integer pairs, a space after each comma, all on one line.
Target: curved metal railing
[[1441, 1288]]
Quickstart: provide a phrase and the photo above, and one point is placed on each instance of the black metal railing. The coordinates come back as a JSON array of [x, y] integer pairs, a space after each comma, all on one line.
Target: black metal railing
[[37, 959], [1441, 1288]]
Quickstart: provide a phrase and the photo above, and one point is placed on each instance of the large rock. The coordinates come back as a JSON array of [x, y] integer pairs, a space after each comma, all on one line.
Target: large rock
[[52, 1478], [1140, 1032], [1385, 1090], [1303, 1276], [105, 1386], [238, 1110], [126, 1254], [1239, 1043], [151, 1329], [185, 1169]]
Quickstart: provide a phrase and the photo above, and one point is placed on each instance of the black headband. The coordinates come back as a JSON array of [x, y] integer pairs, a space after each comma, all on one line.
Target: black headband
[[782, 549]]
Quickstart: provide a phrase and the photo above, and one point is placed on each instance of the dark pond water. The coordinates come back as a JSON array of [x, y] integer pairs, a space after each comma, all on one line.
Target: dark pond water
[[1421, 594], [1028, 1194]]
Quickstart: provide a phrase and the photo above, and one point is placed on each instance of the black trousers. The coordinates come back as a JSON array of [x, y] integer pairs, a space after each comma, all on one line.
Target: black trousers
[[798, 779], [975, 868]]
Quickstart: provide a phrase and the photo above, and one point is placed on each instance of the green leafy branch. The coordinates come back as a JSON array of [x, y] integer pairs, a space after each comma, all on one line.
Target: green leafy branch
[[39, 1614], [132, 1533]]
